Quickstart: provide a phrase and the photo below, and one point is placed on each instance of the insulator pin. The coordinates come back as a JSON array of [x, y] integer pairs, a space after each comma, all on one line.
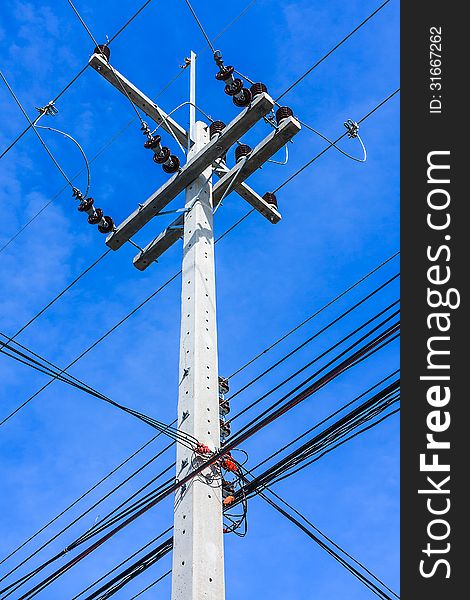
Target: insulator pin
[[243, 98], [172, 165], [284, 112], [270, 198], [241, 151], [104, 50], [257, 89], [216, 128], [106, 226]]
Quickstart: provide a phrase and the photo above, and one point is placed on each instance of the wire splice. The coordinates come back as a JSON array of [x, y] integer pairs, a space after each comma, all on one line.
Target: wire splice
[[352, 127], [49, 109]]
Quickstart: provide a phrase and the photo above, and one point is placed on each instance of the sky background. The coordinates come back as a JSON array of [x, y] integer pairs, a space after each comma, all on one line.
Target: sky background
[[340, 219]]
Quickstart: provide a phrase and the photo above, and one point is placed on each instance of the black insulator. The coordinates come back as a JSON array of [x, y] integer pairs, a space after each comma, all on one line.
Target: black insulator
[[96, 218], [258, 88], [224, 407], [104, 50], [243, 98], [216, 127], [152, 142], [241, 151], [172, 165], [234, 88], [224, 386], [225, 428], [107, 226], [270, 198], [284, 112], [162, 156], [225, 73], [85, 205]]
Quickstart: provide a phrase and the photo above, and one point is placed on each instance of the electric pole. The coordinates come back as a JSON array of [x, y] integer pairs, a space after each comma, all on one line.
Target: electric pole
[[198, 553], [198, 550]]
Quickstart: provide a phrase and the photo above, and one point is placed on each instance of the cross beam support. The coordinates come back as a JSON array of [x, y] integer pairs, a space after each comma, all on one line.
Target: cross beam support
[[200, 161], [102, 66], [259, 155]]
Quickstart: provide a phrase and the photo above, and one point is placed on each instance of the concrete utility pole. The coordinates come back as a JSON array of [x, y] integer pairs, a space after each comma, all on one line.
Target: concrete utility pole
[[198, 553]]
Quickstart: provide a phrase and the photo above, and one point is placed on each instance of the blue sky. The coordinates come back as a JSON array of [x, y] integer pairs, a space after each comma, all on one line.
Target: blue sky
[[340, 219]]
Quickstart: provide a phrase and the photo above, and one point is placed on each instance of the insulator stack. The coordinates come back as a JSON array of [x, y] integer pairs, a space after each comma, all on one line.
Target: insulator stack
[[95, 215], [270, 198], [257, 89], [224, 386], [241, 96], [241, 151], [224, 429], [104, 50], [162, 155], [224, 409], [284, 112]]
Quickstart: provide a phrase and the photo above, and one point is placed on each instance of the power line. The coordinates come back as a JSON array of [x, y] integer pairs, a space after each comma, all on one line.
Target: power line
[[144, 446], [327, 438], [84, 495], [324, 137], [176, 435], [44, 545], [264, 419], [151, 585], [317, 156], [112, 329], [315, 314], [203, 31], [360, 576], [178, 273], [304, 518], [119, 581], [283, 405], [33, 126], [314, 336], [57, 297], [79, 74], [119, 133], [322, 355], [85, 26], [155, 539], [129, 21], [364, 580], [325, 56], [328, 418]]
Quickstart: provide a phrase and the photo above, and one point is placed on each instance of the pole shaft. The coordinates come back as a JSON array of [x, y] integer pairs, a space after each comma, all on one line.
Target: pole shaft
[[198, 556]]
